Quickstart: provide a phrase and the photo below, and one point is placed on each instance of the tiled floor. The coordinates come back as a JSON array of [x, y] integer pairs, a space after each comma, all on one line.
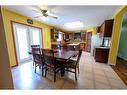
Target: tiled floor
[[92, 75]]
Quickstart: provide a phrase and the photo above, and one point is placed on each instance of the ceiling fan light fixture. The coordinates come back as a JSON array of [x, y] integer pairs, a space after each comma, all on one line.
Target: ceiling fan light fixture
[[45, 18], [74, 25]]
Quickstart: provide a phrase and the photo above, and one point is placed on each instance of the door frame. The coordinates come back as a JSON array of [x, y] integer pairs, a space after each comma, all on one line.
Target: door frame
[[13, 36], [16, 36], [86, 48]]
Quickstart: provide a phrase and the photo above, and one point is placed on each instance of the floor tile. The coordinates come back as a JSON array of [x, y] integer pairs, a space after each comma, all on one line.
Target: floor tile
[[93, 75]]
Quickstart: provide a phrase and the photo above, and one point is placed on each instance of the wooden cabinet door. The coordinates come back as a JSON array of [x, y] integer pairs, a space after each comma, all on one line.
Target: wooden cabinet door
[[88, 41], [52, 34], [83, 36], [98, 29], [106, 28]]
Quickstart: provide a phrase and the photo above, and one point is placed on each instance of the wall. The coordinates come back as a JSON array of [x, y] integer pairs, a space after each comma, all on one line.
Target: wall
[[6, 81], [92, 29], [116, 35], [7, 17], [123, 39]]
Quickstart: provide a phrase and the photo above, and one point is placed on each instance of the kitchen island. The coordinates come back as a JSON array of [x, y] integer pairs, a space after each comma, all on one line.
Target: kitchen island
[[68, 45]]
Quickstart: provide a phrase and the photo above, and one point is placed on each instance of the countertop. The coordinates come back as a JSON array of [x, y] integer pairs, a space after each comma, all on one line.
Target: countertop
[[67, 43], [102, 47]]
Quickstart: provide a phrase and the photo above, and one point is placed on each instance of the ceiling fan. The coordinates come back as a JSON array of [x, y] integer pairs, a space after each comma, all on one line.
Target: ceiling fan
[[44, 13]]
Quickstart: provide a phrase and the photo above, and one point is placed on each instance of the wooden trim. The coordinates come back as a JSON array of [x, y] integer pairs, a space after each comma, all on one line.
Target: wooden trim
[[14, 66], [86, 46], [14, 37], [25, 24], [14, 44]]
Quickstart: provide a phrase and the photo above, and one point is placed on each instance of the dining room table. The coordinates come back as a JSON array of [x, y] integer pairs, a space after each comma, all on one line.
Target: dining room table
[[62, 56]]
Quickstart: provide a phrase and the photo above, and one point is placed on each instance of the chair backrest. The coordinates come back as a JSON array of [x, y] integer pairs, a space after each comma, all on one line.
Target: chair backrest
[[35, 46], [37, 56], [79, 56], [48, 56]]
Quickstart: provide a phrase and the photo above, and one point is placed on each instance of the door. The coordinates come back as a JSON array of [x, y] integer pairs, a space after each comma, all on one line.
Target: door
[[88, 41], [25, 36], [22, 42], [35, 36]]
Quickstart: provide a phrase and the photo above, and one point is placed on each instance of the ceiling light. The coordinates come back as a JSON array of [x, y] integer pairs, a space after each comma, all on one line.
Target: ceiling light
[[74, 25], [45, 18]]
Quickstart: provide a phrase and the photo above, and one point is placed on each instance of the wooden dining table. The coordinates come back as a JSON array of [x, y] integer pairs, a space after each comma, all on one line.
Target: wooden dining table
[[63, 55]]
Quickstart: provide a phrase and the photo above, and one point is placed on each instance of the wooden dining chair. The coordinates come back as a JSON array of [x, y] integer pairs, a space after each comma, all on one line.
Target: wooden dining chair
[[72, 65], [34, 46], [38, 58], [50, 62]]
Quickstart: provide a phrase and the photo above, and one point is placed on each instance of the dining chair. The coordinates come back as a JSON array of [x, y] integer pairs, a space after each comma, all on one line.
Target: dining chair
[[50, 62], [72, 65], [38, 58], [34, 46]]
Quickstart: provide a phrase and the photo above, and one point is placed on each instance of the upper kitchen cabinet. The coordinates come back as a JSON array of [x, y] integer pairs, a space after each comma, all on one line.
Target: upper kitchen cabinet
[[83, 36], [77, 35], [52, 34], [106, 28], [98, 29], [55, 33], [68, 36]]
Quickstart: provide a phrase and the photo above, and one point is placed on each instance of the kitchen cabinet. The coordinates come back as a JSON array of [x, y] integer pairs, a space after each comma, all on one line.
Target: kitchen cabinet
[[98, 29], [66, 36], [88, 41], [55, 34], [106, 28], [52, 34], [101, 54], [82, 46], [83, 36], [77, 35]]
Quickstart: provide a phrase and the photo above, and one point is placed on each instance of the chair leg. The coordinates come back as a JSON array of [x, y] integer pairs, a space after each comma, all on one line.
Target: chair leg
[[39, 66], [46, 71], [54, 75], [35, 68], [33, 63], [75, 74], [42, 70], [78, 69]]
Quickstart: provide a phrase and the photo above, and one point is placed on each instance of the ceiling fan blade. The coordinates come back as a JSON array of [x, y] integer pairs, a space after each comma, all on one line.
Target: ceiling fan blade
[[53, 17], [37, 16], [36, 11]]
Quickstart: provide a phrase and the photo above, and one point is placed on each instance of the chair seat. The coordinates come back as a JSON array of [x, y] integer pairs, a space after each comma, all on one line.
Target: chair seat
[[70, 64], [52, 65], [38, 62], [73, 58]]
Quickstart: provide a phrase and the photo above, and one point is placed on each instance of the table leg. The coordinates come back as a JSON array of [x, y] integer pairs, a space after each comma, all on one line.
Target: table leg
[[62, 71]]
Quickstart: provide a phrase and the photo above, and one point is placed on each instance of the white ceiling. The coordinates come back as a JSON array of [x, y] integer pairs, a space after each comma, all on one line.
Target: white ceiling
[[89, 15]]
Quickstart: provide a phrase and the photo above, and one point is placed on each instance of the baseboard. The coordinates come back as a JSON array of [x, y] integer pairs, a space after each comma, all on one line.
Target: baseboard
[[122, 58], [111, 64]]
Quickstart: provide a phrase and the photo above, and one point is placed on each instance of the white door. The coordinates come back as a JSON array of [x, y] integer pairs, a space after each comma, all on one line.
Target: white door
[[22, 42], [25, 36], [35, 36]]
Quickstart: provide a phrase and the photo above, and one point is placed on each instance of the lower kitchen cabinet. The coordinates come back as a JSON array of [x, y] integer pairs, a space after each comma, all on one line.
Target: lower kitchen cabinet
[[101, 55]]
